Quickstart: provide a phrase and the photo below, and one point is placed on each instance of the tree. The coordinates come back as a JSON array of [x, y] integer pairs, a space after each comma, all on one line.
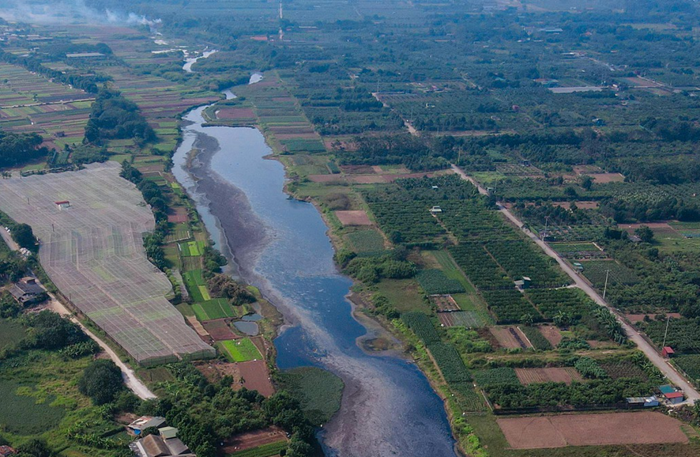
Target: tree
[[34, 448], [51, 331], [586, 182], [24, 236], [101, 381], [645, 234]]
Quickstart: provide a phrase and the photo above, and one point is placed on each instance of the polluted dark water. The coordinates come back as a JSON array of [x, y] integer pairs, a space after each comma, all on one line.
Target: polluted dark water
[[280, 245]]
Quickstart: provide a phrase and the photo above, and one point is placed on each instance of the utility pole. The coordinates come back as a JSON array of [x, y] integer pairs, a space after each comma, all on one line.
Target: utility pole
[[546, 225], [605, 289], [668, 321]]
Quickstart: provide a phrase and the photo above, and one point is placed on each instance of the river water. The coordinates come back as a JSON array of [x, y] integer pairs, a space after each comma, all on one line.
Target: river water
[[280, 245]]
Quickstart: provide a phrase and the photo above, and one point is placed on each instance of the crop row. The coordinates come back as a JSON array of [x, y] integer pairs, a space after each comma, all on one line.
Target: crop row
[[450, 363], [408, 222], [560, 302], [510, 306]]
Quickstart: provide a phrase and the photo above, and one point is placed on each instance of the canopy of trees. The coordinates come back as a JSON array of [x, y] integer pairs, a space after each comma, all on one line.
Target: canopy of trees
[[101, 381], [115, 117], [20, 148]]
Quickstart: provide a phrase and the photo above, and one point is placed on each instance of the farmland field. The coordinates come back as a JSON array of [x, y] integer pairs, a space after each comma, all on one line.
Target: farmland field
[[436, 282], [591, 430], [217, 308], [691, 365], [468, 319], [366, 241], [510, 337], [93, 237], [242, 350], [537, 375], [595, 271]]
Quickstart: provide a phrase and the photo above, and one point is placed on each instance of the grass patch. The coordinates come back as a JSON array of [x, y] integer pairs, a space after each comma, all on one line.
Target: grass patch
[[436, 282], [240, 350], [24, 414], [319, 392], [10, 333], [404, 295]]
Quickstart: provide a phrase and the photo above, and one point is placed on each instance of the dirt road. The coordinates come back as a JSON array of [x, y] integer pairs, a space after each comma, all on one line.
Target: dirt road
[[690, 392], [132, 382], [130, 379]]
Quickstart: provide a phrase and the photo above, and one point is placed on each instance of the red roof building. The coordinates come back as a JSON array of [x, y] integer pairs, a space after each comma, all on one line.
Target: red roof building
[[667, 351], [6, 451]]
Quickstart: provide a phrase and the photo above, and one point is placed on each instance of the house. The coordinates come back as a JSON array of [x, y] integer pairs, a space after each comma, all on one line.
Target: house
[[6, 451], [675, 397], [671, 394], [157, 446], [435, 209], [642, 402], [63, 204], [27, 291], [167, 432], [523, 283], [144, 422], [667, 352]]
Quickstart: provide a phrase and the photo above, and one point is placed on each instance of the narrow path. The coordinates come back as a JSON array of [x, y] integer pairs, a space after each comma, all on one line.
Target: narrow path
[[132, 382], [650, 351]]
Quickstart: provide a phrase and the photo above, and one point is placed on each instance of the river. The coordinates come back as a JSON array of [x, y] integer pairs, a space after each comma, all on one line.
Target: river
[[281, 246]]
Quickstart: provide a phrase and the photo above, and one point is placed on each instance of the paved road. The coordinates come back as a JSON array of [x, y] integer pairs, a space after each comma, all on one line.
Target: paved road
[[676, 378], [130, 379]]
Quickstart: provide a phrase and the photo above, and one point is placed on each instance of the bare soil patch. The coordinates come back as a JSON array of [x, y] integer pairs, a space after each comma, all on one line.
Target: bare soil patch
[[634, 318], [552, 334], [326, 178], [214, 370], [353, 217], [510, 337], [255, 376], [591, 430], [179, 215], [580, 205], [253, 439], [602, 178], [539, 375], [366, 179], [219, 330], [197, 326], [445, 303], [357, 169], [235, 113]]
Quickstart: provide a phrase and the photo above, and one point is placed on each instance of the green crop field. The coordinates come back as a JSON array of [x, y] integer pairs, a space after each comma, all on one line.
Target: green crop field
[[596, 270], [366, 241], [240, 350], [266, 450], [193, 279], [217, 308]]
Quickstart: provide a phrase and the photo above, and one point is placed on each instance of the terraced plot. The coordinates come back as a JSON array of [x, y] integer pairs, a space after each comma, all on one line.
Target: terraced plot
[[93, 251]]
